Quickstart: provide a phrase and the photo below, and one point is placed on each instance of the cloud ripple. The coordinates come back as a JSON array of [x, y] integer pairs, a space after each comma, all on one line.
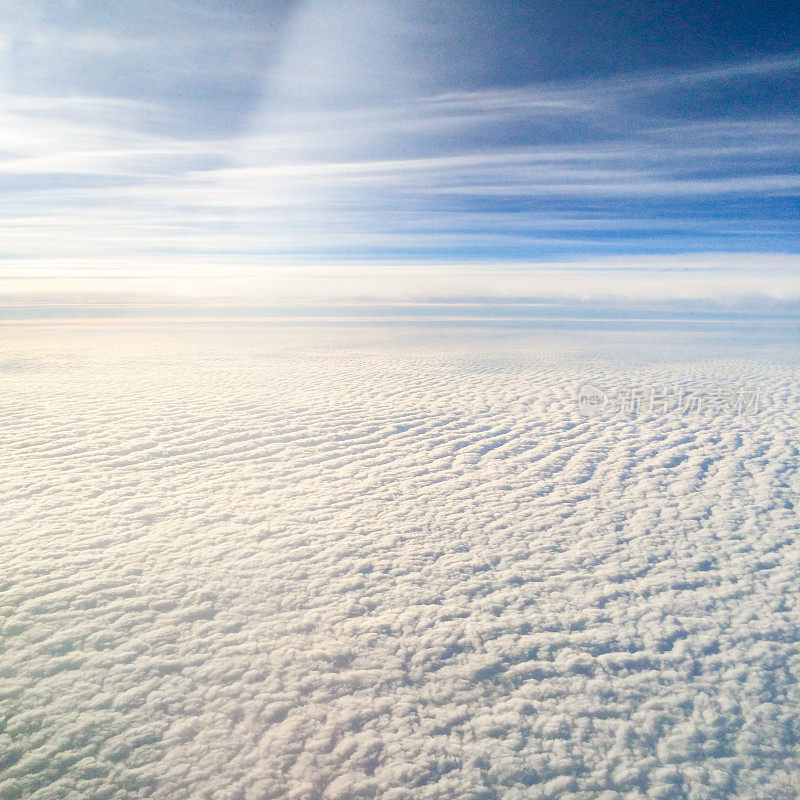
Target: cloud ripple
[[269, 564]]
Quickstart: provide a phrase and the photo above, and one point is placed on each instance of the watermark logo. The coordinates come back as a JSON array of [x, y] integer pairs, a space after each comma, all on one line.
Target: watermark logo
[[636, 399], [591, 400]]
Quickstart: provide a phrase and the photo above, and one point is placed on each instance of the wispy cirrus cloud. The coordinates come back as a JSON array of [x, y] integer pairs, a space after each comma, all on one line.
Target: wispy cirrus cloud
[[340, 157]]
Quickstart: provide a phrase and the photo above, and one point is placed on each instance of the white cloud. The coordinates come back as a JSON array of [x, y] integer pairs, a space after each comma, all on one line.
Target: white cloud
[[272, 563], [630, 286]]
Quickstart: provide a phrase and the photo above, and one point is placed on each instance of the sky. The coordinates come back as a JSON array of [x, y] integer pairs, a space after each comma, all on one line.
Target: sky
[[173, 139]]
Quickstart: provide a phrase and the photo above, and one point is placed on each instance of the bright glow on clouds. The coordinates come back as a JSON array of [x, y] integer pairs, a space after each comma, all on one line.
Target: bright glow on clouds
[[632, 286], [257, 562]]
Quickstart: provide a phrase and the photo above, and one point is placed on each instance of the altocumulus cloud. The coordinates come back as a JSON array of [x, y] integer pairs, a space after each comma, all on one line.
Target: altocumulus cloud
[[431, 578]]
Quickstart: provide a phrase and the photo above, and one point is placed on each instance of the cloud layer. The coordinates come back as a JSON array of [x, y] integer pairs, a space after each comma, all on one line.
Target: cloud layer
[[294, 563]]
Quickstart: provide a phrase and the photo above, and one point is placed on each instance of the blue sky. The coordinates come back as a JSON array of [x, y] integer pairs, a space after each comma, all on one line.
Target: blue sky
[[171, 137]]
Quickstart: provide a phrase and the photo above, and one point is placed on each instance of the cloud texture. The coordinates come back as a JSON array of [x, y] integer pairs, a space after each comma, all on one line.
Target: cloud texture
[[284, 563]]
